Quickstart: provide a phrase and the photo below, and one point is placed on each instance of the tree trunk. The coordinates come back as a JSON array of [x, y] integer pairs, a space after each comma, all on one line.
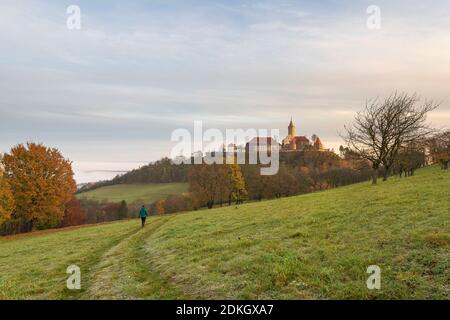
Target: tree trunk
[[385, 173], [374, 175]]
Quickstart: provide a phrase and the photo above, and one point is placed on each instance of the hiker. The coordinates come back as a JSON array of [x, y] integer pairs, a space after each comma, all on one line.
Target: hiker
[[143, 214]]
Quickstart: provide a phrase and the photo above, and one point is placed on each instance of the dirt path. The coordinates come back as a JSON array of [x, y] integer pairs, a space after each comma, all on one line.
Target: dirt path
[[124, 271]]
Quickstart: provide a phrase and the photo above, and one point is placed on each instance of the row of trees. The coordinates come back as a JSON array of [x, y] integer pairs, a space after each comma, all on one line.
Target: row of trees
[[93, 211], [211, 184], [173, 204], [299, 172], [391, 133], [439, 146]]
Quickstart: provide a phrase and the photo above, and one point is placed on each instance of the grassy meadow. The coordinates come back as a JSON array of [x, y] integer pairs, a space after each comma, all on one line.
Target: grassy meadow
[[314, 246], [148, 192]]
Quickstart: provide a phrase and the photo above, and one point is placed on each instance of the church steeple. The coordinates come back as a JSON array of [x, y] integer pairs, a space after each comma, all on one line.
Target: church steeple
[[291, 129]]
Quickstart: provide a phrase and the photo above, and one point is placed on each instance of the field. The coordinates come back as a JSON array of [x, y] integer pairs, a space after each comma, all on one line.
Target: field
[[149, 192], [314, 246]]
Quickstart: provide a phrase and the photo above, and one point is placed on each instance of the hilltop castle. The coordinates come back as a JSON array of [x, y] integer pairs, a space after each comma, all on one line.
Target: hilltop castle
[[292, 142]]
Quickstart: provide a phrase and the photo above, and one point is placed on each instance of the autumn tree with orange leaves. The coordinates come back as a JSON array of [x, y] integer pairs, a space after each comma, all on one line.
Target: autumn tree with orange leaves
[[6, 199], [42, 183]]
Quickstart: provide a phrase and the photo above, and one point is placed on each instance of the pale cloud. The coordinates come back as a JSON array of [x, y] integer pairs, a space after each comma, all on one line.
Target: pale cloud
[[136, 71]]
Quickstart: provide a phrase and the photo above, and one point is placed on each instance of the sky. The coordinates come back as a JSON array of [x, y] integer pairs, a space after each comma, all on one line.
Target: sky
[[110, 94]]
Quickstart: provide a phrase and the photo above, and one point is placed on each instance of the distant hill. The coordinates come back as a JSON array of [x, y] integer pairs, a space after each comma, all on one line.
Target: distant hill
[[148, 192], [316, 245], [161, 171]]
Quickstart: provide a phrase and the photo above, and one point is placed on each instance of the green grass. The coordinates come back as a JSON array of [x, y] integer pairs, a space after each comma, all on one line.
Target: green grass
[[35, 266], [315, 246], [149, 192]]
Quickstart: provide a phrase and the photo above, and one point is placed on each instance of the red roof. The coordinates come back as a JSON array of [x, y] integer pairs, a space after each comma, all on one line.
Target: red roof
[[300, 138]]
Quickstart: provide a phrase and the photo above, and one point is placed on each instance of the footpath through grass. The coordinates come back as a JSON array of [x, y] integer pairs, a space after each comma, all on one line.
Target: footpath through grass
[[124, 271]]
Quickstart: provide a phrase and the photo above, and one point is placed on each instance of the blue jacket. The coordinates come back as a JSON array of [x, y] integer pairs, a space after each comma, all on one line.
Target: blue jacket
[[143, 213]]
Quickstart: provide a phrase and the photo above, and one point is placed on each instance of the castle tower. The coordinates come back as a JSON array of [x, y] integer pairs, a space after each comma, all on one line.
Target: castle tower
[[318, 144], [291, 129]]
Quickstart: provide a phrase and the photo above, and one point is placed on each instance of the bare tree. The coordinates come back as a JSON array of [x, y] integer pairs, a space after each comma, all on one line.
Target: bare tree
[[383, 127], [439, 148]]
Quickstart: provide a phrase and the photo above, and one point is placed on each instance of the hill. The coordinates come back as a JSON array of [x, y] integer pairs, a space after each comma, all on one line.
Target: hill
[[147, 192], [310, 246], [161, 171]]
